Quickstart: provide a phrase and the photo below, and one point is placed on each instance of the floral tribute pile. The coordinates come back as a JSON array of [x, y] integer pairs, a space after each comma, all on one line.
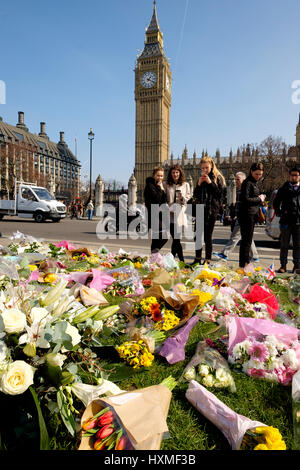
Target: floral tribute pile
[[63, 309]]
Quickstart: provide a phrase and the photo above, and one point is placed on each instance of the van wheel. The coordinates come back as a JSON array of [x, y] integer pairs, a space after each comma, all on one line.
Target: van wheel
[[39, 217]]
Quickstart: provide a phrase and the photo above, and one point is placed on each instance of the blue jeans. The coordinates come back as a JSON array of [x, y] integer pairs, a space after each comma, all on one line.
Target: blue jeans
[[90, 214]]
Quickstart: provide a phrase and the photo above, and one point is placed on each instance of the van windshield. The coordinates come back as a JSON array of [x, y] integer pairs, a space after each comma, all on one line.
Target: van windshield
[[43, 194]]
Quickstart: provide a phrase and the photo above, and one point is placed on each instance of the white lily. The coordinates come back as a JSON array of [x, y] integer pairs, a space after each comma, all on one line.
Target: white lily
[[87, 393]]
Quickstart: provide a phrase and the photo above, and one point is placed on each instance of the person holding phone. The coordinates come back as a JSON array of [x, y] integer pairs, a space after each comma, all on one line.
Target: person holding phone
[[250, 201], [209, 192], [178, 193], [154, 193]]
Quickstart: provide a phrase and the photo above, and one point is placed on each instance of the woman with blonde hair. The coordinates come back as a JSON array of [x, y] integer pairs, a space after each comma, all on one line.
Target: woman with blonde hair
[[209, 191], [178, 193]]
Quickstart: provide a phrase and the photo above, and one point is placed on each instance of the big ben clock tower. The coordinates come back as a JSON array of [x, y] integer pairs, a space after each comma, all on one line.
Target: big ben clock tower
[[153, 103]]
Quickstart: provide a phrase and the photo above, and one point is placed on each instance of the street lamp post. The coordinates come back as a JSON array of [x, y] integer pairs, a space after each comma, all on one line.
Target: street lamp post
[[91, 138]]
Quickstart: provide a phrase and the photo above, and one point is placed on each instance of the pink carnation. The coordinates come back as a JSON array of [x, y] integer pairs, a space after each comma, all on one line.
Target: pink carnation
[[284, 375], [258, 351], [256, 372]]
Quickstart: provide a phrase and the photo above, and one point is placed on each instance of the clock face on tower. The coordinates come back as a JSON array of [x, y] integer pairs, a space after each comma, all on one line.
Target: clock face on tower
[[148, 79]]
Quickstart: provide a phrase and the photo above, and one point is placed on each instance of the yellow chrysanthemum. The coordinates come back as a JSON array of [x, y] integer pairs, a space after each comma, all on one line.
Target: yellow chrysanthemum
[[50, 278], [203, 297], [138, 265], [169, 321]]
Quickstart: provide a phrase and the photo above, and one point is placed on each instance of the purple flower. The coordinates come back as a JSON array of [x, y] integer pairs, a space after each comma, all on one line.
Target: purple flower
[[216, 282]]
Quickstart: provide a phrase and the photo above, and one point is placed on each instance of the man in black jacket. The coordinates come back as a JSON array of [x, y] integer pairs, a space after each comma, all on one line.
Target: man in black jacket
[[287, 206]]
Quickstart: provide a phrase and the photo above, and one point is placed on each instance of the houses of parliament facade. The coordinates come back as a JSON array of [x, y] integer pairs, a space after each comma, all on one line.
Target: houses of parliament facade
[[153, 93]]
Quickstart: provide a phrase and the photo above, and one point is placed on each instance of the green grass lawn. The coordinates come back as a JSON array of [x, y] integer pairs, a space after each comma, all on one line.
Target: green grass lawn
[[255, 398]]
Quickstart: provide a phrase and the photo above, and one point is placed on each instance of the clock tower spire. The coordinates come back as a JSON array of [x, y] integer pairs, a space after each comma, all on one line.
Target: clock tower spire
[[153, 103]]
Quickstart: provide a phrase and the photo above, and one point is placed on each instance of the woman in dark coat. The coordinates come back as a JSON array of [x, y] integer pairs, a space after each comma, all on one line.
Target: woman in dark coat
[[250, 201], [154, 193], [209, 191]]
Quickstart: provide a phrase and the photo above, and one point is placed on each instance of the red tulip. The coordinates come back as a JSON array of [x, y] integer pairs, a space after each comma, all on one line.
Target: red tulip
[[107, 418], [121, 445], [99, 445], [104, 432], [89, 424]]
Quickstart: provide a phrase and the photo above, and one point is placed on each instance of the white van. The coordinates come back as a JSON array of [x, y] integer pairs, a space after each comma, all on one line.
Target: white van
[[32, 201]]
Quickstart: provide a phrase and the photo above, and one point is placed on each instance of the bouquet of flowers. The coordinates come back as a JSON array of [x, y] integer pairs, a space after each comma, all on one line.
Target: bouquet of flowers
[[106, 431], [163, 317], [127, 282], [209, 368], [128, 421], [263, 438], [264, 349], [240, 431]]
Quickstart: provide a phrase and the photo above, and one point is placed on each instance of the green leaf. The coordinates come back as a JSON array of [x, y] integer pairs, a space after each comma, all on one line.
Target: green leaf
[[65, 413], [44, 438], [53, 374]]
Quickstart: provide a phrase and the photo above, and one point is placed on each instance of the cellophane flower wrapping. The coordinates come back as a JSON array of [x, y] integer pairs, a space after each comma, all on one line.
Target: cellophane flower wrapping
[[231, 424], [173, 349], [209, 368], [262, 294], [274, 348]]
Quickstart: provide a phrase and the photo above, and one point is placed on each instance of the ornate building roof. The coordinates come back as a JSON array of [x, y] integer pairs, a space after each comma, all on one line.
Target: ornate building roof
[[153, 26], [40, 142]]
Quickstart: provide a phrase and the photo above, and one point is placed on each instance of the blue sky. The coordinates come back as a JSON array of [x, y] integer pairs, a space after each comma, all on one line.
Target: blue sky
[[70, 63]]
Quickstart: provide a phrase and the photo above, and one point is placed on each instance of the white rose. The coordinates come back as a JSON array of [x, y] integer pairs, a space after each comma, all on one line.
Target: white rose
[[290, 359], [39, 315], [203, 370], [17, 378], [221, 374], [14, 320], [55, 360], [190, 374], [208, 381]]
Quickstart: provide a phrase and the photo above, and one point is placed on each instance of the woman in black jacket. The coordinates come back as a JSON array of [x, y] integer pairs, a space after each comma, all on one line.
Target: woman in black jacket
[[210, 192], [250, 201], [154, 193]]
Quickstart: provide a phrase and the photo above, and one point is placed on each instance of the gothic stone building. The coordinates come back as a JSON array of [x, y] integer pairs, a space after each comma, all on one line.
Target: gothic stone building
[[33, 158]]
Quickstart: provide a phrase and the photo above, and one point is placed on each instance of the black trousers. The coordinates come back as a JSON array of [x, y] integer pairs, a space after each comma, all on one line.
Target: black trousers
[[209, 225], [158, 243], [290, 230], [176, 248], [247, 224]]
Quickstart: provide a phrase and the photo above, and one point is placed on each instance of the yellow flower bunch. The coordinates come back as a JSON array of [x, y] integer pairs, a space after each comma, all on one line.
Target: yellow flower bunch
[[94, 259], [271, 439], [147, 302], [50, 277], [208, 275], [136, 354], [138, 265], [169, 321], [203, 297]]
